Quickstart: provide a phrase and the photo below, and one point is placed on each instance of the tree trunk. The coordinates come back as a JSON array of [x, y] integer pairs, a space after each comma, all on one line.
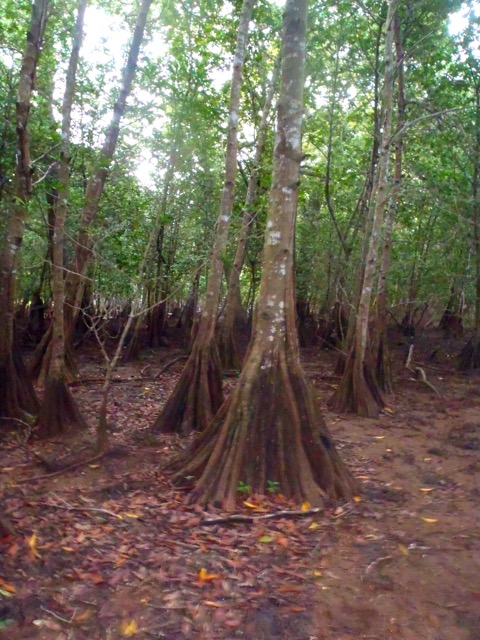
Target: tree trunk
[[59, 412], [380, 355], [235, 316], [270, 428], [469, 357], [75, 279], [358, 391], [16, 391], [198, 393], [362, 215]]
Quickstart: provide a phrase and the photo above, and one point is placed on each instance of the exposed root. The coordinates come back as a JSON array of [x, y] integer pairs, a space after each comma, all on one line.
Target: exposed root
[[358, 391], [469, 357], [269, 430], [197, 395], [59, 413], [17, 395]]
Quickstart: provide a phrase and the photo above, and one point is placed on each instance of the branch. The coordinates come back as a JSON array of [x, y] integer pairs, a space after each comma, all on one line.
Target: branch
[[268, 516]]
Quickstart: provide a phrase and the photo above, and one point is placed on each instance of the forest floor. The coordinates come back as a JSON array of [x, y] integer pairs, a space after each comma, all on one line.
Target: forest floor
[[110, 550]]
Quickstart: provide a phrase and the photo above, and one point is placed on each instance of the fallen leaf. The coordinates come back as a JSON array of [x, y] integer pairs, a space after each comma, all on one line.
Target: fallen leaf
[[289, 588], [403, 549], [128, 628], [379, 437], [94, 466], [357, 499], [249, 505], [48, 624], [306, 506], [210, 603], [430, 520], [32, 544], [426, 489], [84, 616], [318, 574], [282, 541], [314, 526], [204, 576], [7, 587], [266, 539], [5, 594], [388, 410]]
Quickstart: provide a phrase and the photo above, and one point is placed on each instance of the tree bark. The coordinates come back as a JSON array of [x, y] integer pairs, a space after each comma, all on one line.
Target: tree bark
[[469, 357], [16, 391], [75, 279], [270, 428], [358, 390], [59, 412], [198, 393], [380, 355], [235, 316]]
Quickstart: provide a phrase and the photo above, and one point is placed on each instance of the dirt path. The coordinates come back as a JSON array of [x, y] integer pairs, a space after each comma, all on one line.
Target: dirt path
[[132, 558]]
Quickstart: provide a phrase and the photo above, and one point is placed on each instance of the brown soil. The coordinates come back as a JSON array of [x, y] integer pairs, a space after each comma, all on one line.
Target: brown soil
[[133, 558]]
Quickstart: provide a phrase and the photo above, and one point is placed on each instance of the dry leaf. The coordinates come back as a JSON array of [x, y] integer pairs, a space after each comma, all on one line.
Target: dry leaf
[[32, 544], [128, 628], [357, 499], [314, 526], [250, 505], [306, 506], [430, 520], [84, 616], [379, 437], [403, 549], [7, 587], [426, 489], [204, 576]]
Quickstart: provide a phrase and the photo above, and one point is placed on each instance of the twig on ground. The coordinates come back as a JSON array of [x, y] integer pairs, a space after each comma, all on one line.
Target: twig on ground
[[64, 470], [169, 364], [55, 615], [68, 507], [267, 516], [419, 373]]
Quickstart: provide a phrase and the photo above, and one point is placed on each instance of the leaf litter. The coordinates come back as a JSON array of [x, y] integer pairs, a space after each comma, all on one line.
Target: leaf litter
[[110, 549]]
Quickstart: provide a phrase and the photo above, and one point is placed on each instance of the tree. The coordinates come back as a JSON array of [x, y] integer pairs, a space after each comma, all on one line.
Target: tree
[[234, 316], [379, 345], [270, 428], [75, 280], [59, 411], [198, 393], [469, 358], [16, 391], [358, 390]]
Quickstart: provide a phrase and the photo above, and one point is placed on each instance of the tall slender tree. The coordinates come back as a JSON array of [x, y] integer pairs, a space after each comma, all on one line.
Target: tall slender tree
[[198, 393], [358, 390], [270, 427], [59, 411], [16, 391], [75, 280]]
